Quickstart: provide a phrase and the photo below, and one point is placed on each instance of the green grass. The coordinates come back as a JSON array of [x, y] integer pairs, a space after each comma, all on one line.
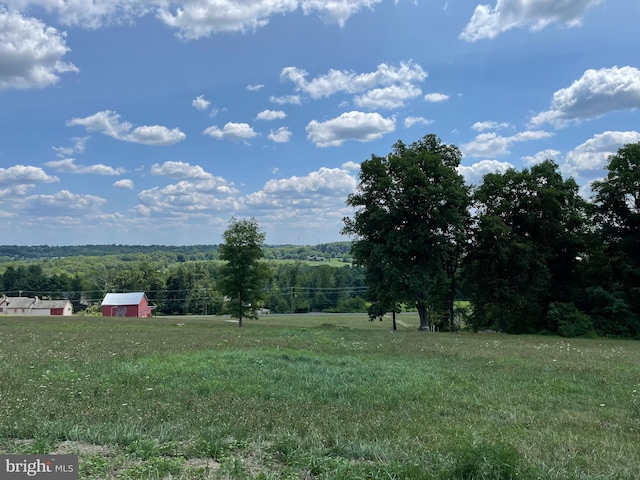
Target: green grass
[[322, 397]]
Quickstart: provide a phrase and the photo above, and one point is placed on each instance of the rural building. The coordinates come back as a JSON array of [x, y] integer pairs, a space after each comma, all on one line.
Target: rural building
[[132, 304], [34, 306], [51, 307]]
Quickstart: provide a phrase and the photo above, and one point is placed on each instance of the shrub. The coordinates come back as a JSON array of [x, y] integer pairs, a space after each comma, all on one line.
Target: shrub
[[571, 322]]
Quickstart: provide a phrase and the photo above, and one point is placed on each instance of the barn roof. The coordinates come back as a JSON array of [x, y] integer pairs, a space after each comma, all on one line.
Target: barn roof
[[130, 298], [19, 302], [50, 303]]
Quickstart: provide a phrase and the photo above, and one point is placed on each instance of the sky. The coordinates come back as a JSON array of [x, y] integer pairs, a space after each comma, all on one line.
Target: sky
[[157, 121]]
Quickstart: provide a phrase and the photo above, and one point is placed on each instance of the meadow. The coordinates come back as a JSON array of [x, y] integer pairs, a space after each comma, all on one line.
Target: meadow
[[316, 397]]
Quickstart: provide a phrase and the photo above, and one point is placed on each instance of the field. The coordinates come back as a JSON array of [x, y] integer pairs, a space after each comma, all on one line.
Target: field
[[316, 397]]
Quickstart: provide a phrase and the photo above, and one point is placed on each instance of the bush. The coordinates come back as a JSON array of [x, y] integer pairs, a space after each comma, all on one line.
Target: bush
[[571, 322]]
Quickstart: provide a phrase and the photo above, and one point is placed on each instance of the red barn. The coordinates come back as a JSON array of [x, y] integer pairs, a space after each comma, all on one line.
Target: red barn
[[133, 304]]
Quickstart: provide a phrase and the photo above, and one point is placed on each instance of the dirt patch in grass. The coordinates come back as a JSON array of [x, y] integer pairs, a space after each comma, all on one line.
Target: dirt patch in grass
[[81, 449]]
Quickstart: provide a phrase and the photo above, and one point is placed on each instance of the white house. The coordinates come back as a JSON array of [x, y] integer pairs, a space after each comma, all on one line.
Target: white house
[[34, 306]]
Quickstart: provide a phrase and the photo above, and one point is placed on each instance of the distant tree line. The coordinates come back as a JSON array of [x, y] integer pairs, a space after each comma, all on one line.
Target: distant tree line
[[187, 287], [524, 247]]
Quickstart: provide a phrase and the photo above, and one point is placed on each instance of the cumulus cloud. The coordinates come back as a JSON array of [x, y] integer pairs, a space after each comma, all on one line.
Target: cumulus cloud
[[108, 123], [474, 173], [232, 131], [491, 144], [271, 115], [30, 52], [68, 165], [281, 135], [194, 19], [436, 97], [188, 197], [351, 166], [363, 127], [201, 18], [488, 22], [61, 203], [391, 97], [125, 183], [411, 121], [489, 125], [549, 154], [594, 94], [343, 81], [194, 175], [591, 157], [25, 175], [324, 187], [200, 103]]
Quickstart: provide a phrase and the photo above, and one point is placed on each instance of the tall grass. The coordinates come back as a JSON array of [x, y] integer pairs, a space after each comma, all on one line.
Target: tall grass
[[323, 397]]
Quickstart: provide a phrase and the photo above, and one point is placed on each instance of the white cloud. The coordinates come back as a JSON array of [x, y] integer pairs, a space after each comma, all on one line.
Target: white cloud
[[491, 144], [125, 183], [363, 127], [25, 175], [591, 157], [549, 154], [271, 115], [411, 121], [62, 203], [473, 174], [488, 125], [232, 131], [281, 135], [436, 97], [109, 123], [181, 170], [78, 147], [68, 165], [337, 11], [391, 97], [255, 88], [30, 52], [200, 103], [286, 99], [488, 22], [201, 18], [594, 94], [342, 81], [188, 197], [351, 166], [320, 189]]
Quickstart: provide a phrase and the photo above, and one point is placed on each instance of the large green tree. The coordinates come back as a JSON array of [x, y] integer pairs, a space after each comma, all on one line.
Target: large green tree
[[528, 237], [411, 209], [243, 276], [617, 201]]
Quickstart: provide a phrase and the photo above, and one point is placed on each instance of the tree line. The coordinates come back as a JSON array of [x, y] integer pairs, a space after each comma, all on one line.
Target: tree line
[[186, 288], [524, 247]]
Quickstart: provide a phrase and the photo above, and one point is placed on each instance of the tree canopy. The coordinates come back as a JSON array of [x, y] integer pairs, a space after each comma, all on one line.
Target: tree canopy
[[243, 276], [411, 207]]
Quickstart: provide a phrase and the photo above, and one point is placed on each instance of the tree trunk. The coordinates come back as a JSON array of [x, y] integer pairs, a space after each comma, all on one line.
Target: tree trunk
[[394, 319], [424, 315], [240, 309]]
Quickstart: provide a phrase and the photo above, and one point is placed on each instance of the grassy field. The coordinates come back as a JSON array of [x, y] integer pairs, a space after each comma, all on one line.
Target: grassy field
[[316, 397]]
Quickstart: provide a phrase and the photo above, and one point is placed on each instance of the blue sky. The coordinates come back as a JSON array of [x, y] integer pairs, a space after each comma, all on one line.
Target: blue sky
[[155, 122]]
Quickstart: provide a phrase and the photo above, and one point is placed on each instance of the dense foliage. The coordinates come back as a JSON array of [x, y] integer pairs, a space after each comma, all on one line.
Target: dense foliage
[[534, 257]]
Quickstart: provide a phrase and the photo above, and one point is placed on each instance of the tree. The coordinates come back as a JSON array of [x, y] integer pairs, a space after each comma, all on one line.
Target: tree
[[243, 276], [528, 236], [411, 205], [617, 203]]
